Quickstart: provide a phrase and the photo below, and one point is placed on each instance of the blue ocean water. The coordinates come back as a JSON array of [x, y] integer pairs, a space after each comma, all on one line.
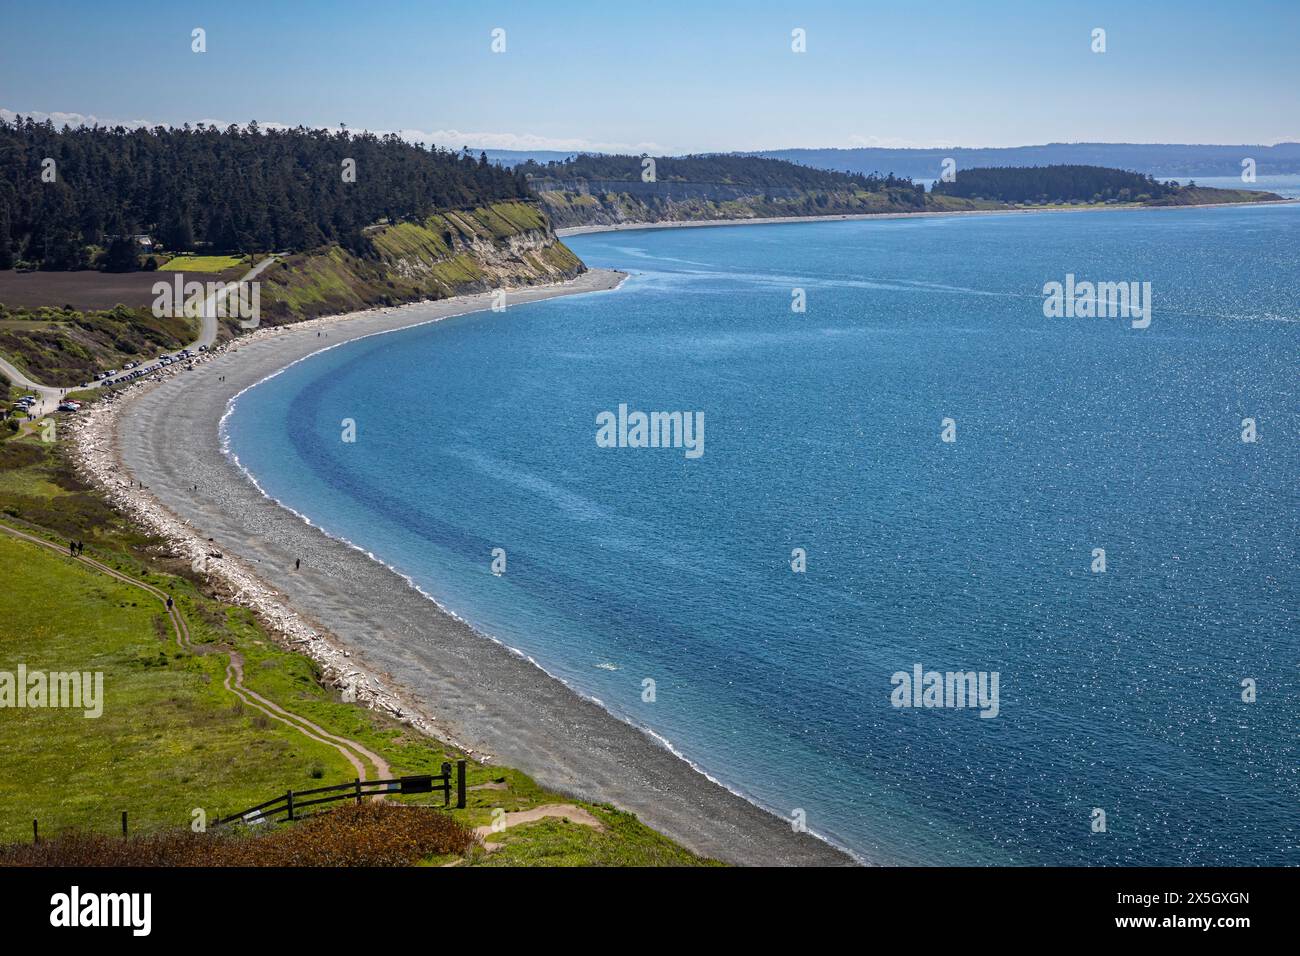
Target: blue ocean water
[[1118, 691]]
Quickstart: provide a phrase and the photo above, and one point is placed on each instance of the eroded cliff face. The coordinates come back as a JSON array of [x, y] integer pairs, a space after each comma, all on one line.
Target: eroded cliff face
[[505, 245], [578, 202]]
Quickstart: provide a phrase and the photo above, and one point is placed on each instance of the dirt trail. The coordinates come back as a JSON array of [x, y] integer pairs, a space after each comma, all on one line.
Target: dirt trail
[[350, 749], [567, 811], [235, 670]]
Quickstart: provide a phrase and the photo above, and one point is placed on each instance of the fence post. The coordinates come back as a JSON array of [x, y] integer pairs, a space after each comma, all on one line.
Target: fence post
[[123, 824], [358, 784], [460, 784], [446, 784], [289, 795]]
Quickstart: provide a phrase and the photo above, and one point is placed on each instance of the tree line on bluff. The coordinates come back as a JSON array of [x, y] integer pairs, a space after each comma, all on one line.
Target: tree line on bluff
[[239, 189], [1023, 184], [720, 168]]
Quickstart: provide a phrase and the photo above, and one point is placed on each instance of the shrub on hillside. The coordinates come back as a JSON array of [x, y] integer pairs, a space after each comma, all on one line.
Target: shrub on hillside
[[366, 834]]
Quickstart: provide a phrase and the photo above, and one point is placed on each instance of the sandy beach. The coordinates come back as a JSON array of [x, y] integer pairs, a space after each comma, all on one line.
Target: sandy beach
[[376, 637]]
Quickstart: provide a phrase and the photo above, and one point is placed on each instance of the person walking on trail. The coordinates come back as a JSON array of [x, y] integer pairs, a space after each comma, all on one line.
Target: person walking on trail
[[297, 563], [72, 549], [170, 602]]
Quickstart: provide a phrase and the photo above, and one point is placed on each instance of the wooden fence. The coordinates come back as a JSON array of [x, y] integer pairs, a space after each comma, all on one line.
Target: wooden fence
[[291, 803]]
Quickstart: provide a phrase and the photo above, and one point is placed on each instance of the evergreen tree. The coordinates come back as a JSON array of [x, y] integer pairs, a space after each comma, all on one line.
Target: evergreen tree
[[120, 256], [6, 245], [233, 189]]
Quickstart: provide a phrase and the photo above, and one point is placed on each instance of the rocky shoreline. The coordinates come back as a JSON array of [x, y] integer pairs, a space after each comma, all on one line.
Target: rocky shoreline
[[375, 635], [97, 458]]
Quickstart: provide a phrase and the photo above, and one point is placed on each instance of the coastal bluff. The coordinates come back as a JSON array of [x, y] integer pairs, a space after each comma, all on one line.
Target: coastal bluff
[[452, 252]]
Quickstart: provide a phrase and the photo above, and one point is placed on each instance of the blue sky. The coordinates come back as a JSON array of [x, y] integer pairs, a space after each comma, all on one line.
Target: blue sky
[[675, 76]]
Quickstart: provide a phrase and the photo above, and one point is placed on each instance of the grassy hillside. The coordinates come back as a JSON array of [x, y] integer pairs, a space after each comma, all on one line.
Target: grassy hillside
[[64, 346], [197, 747], [171, 737], [1191, 195]]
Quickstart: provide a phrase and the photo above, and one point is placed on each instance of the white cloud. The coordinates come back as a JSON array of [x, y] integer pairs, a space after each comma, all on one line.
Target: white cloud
[[457, 138], [892, 142], [446, 138]]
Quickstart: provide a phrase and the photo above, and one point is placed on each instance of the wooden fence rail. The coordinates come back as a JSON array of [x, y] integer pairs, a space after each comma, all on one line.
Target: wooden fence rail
[[289, 804]]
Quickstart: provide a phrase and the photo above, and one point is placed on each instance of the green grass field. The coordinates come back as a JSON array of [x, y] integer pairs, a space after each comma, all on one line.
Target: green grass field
[[171, 738], [187, 263]]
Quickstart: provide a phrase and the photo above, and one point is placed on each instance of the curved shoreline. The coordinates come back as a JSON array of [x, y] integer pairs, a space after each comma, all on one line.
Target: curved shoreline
[[376, 635], [567, 231]]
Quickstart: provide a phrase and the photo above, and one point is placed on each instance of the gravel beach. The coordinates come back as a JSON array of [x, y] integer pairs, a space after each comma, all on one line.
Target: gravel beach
[[377, 638]]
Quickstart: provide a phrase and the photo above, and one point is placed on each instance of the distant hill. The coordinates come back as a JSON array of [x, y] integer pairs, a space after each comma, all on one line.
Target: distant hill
[[730, 169], [606, 190], [513, 157], [599, 190], [1169, 160], [1155, 159], [1055, 184]]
